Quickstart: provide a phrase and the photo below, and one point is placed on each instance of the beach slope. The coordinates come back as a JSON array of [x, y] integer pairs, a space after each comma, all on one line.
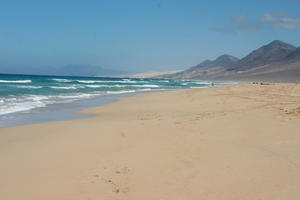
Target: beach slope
[[230, 142]]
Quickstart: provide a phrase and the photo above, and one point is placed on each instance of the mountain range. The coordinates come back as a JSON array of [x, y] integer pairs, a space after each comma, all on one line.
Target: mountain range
[[276, 61]]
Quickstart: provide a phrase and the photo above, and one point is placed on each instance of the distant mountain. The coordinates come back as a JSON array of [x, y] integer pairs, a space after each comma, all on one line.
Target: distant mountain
[[207, 67], [68, 70], [222, 61], [271, 53], [276, 61], [294, 56]]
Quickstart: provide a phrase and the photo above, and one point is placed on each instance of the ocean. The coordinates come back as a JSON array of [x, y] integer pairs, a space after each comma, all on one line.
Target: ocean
[[29, 99]]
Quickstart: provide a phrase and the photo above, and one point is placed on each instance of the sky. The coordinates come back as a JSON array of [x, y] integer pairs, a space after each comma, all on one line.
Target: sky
[[140, 35]]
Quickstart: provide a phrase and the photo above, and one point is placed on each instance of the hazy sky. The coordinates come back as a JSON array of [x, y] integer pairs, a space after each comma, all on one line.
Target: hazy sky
[[140, 35]]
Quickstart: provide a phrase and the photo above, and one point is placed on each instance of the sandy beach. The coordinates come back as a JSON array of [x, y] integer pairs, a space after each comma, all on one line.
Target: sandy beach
[[236, 142]]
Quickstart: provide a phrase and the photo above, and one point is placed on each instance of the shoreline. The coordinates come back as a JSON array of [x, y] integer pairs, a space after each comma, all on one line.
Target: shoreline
[[33, 99], [72, 113], [59, 111], [229, 142]]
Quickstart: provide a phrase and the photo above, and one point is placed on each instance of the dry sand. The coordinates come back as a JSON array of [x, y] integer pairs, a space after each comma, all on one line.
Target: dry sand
[[239, 142]]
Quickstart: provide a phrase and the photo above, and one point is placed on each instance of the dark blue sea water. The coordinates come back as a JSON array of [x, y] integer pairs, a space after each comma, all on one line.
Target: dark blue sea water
[[25, 98]]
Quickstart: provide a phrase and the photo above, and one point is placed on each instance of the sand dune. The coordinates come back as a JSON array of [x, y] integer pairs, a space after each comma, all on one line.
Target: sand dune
[[231, 142]]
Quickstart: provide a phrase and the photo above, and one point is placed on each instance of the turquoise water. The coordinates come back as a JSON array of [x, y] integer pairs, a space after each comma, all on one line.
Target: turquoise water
[[25, 93]]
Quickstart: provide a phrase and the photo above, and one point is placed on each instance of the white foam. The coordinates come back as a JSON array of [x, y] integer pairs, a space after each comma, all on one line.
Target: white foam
[[29, 87], [12, 105], [203, 82], [107, 86], [129, 81], [62, 80], [150, 86], [64, 88], [15, 81], [96, 86], [83, 81], [20, 107], [108, 81], [120, 92], [75, 96]]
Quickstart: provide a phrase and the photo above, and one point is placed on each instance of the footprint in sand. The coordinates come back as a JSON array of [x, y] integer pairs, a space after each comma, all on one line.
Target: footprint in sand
[[150, 116], [122, 134], [291, 111], [118, 180]]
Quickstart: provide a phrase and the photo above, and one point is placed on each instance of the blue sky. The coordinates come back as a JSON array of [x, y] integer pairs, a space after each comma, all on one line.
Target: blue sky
[[140, 35]]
